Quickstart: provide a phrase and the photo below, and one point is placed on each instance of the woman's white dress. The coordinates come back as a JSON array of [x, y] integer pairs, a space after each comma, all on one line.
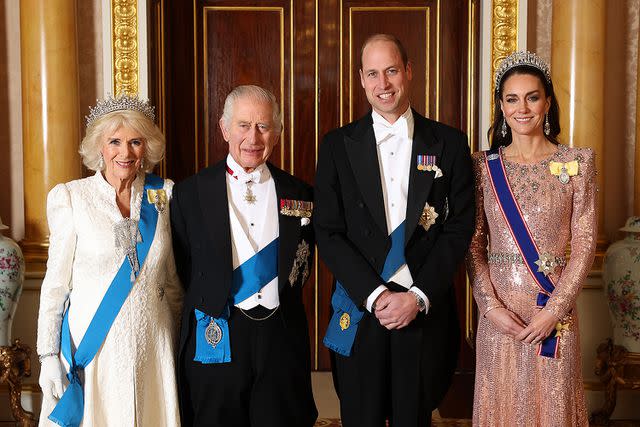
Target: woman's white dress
[[131, 381]]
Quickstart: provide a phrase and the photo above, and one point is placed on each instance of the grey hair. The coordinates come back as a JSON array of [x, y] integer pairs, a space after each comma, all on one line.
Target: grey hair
[[93, 141], [254, 92]]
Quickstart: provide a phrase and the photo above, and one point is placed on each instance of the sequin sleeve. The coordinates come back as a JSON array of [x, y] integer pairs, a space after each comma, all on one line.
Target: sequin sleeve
[[56, 285], [584, 228], [476, 258]]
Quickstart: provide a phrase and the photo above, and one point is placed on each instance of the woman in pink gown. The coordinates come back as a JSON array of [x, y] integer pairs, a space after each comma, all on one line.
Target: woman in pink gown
[[554, 187]]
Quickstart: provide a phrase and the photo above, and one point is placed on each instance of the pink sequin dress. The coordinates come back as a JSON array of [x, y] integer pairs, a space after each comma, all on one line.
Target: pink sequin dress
[[514, 386]]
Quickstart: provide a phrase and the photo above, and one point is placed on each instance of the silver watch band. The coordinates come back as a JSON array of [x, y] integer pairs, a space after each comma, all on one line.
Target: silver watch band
[[422, 306]]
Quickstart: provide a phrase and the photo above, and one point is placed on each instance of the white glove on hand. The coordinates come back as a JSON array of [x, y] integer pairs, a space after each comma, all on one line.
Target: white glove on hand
[[51, 376]]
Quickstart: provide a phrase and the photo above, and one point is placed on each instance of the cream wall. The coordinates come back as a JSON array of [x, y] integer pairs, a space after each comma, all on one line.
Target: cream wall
[[89, 27], [11, 200], [619, 99], [620, 79]]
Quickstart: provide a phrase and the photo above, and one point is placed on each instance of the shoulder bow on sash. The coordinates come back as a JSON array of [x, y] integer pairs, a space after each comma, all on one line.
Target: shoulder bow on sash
[[523, 239], [341, 332], [70, 408]]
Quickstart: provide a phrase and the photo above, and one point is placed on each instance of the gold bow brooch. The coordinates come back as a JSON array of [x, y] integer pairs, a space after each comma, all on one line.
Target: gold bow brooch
[[564, 170], [158, 198]]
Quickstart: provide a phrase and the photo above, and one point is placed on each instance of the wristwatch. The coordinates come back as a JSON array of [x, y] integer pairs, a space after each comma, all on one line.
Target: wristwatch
[[420, 302]]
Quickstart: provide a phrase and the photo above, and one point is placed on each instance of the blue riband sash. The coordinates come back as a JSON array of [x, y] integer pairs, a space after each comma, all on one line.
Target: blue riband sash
[[70, 408], [247, 279], [340, 338], [523, 239]]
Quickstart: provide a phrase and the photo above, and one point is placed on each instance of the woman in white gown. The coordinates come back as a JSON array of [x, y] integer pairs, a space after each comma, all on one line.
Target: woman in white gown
[[111, 231]]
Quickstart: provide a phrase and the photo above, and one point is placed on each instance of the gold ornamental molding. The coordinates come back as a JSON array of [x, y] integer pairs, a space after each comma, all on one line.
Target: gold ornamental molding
[[125, 46], [504, 34]]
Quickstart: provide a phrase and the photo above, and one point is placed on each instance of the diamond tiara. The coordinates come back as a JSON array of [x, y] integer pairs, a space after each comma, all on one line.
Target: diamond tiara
[[119, 103], [519, 58]]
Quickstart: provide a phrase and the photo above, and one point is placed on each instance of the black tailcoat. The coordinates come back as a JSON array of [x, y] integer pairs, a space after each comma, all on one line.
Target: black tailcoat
[[353, 239], [203, 252]]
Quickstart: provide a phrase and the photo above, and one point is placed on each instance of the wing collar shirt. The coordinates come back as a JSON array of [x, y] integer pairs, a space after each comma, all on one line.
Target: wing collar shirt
[[394, 145], [253, 225]]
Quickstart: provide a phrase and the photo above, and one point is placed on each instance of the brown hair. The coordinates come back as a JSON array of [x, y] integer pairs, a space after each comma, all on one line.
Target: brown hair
[[387, 38]]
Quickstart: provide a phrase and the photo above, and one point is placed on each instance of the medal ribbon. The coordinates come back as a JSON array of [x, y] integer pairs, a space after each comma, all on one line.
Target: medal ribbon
[[341, 339], [523, 239], [70, 408]]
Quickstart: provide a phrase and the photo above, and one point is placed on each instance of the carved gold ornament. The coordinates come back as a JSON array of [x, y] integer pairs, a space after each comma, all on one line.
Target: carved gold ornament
[[125, 46], [505, 34]]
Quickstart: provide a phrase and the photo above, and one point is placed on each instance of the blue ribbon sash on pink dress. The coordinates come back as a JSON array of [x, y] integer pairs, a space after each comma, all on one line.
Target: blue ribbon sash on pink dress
[[523, 239]]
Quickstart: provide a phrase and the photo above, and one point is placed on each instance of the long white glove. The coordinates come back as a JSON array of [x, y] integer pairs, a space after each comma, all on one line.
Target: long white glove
[[51, 376]]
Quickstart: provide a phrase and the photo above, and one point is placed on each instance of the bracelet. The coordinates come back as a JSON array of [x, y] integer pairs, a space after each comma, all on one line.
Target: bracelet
[[41, 357]]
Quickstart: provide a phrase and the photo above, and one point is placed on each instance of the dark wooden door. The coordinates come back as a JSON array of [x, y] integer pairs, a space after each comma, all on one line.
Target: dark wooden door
[[306, 53]]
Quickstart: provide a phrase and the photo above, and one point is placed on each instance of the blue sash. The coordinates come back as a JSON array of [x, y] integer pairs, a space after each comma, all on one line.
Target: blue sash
[[246, 280], [70, 408], [341, 332], [523, 238]]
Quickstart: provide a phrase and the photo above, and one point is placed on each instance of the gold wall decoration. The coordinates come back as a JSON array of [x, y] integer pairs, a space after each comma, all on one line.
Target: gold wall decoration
[[504, 34], [125, 46]]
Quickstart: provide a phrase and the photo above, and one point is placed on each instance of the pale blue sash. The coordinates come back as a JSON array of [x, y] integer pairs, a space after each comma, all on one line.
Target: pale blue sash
[[70, 408]]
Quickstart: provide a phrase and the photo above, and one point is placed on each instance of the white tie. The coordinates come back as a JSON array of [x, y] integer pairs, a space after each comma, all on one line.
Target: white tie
[[249, 177], [384, 130]]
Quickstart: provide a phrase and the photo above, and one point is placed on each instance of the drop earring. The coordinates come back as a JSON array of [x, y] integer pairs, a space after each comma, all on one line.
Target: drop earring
[[503, 129], [547, 127], [101, 162]]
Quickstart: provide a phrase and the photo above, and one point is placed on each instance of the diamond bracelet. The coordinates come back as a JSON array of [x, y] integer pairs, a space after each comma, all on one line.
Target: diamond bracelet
[[41, 357]]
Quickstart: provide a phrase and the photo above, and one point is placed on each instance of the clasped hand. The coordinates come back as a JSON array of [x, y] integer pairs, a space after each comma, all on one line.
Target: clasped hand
[[395, 310], [509, 323]]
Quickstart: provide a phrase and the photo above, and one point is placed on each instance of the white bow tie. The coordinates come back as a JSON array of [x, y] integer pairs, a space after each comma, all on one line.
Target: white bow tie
[[245, 177], [249, 177], [384, 129]]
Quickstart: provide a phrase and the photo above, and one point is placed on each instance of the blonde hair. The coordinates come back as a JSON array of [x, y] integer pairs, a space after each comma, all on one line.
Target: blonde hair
[[93, 141]]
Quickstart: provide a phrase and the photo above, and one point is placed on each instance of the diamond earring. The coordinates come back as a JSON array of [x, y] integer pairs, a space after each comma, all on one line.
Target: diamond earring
[[547, 127], [503, 129], [101, 162], [142, 164]]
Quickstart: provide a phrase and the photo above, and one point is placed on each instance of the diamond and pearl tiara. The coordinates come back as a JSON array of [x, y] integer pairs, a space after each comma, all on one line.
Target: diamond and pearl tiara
[[119, 103], [520, 58]]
